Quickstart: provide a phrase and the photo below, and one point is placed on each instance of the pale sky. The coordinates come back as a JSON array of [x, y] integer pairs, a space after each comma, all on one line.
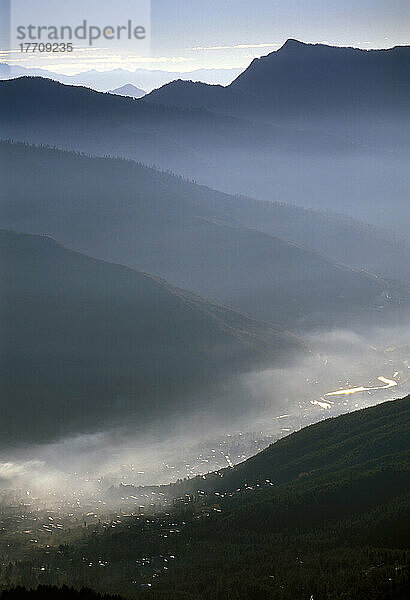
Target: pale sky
[[193, 34]]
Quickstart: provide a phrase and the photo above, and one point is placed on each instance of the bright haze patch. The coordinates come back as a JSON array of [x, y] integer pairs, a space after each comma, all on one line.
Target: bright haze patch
[[228, 424]]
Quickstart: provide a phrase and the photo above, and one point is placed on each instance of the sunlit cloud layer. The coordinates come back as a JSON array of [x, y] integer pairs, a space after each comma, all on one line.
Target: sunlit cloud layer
[[237, 46], [92, 58]]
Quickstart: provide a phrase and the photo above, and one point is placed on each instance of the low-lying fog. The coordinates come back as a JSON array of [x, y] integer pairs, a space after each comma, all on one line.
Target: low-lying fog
[[236, 421]]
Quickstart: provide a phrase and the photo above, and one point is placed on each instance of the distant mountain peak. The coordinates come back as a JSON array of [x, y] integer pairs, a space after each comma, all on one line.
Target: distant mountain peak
[[128, 90], [293, 43]]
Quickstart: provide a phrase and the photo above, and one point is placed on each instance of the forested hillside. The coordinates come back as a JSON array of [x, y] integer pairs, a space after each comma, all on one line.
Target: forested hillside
[[323, 513]]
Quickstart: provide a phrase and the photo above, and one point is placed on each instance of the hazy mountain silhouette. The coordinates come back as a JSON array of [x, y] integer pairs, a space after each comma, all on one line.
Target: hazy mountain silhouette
[[105, 80], [335, 236], [308, 168], [308, 84], [86, 343], [126, 213], [128, 90]]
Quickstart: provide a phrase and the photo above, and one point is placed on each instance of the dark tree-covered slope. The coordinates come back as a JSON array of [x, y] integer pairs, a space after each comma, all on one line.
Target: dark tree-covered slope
[[322, 513], [326, 451], [86, 342], [48, 592]]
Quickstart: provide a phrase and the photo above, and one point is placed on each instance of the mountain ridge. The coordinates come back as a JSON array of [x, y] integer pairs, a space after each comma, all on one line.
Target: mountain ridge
[[104, 80], [257, 77], [229, 153], [188, 235], [69, 374]]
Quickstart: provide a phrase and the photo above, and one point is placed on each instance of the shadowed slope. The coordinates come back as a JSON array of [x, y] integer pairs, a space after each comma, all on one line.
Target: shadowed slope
[[89, 344], [122, 212]]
